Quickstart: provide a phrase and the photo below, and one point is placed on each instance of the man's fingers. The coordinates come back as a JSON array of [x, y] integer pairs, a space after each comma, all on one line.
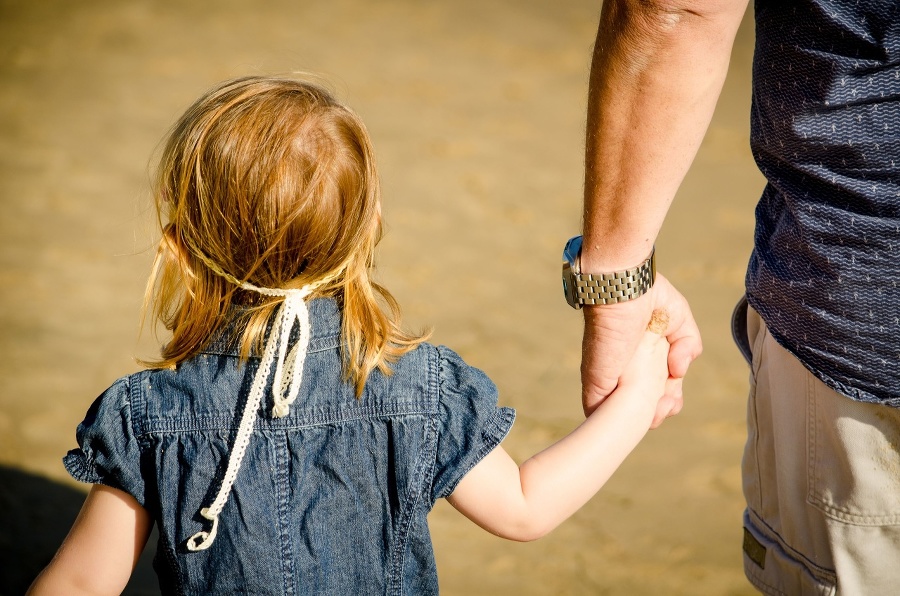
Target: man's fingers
[[670, 403], [682, 333], [682, 353]]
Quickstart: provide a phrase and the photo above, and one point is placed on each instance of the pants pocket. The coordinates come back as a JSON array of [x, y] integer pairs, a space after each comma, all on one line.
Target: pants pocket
[[739, 329], [854, 472], [777, 571]]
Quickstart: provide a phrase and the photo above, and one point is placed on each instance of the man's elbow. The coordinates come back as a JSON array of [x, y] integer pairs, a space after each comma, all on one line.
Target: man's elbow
[[666, 17]]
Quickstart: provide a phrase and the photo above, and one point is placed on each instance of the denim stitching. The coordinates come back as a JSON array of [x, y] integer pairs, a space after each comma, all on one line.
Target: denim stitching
[[280, 456], [422, 480]]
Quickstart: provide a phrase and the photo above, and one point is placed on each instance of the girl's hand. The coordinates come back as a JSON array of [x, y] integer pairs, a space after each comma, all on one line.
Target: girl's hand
[[647, 375]]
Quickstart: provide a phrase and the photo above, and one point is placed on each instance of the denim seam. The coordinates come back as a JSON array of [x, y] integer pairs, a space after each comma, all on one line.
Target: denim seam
[[316, 344], [227, 423], [137, 407], [169, 550], [424, 474], [411, 503], [280, 455], [423, 479]]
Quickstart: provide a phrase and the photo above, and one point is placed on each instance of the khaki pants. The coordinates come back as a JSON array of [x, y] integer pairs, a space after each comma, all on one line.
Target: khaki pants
[[821, 480]]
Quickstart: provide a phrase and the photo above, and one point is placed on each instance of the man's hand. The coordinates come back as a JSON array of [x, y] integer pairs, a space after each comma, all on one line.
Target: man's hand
[[612, 333]]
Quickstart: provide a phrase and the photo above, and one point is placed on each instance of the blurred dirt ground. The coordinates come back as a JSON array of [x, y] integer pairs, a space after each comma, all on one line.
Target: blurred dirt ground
[[477, 114]]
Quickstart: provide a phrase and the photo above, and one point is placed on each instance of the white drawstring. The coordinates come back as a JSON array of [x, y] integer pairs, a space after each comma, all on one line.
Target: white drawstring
[[292, 310]]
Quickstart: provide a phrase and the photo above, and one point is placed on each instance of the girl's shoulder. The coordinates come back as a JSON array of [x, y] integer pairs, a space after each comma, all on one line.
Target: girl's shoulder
[[455, 373]]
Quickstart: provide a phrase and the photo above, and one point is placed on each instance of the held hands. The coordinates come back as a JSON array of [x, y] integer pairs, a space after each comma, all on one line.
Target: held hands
[[646, 376], [613, 332], [525, 502]]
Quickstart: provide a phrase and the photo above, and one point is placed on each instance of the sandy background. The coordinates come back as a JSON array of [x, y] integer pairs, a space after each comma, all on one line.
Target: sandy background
[[477, 114]]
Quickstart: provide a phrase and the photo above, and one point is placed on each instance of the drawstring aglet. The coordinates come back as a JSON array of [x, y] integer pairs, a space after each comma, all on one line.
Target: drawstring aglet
[[202, 540], [280, 410]]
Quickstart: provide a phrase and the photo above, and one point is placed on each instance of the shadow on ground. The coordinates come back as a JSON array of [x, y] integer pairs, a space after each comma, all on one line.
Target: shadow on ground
[[35, 516]]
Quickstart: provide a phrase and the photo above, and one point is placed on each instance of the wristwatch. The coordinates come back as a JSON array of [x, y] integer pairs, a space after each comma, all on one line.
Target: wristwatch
[[603, 288]]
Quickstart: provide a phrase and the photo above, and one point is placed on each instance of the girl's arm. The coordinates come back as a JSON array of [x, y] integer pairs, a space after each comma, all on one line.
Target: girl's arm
[[525, 503], [102, 548]]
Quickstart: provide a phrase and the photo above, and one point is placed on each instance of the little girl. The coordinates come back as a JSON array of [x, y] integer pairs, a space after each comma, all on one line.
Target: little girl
[[292, 438]]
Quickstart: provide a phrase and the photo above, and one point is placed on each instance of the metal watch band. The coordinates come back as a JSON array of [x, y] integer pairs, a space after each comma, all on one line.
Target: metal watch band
[[619, 286], [610, 288]]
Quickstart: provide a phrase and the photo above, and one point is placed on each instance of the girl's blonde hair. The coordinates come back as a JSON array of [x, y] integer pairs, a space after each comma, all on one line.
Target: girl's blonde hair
[[270, 181]]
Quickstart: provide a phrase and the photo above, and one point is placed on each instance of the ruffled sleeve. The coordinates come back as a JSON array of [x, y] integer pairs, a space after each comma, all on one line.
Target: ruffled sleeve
[[109, 452], [470, 424]]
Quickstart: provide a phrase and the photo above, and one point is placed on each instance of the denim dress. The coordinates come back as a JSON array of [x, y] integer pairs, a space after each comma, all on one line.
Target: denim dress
[[330, 499]]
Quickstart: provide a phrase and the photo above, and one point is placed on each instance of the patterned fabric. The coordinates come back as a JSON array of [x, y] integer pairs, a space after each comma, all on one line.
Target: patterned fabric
[[825, 131]]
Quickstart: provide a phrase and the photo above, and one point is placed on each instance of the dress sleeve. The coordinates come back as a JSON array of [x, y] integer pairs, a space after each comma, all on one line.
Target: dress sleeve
[[108, 451], [470, 423]]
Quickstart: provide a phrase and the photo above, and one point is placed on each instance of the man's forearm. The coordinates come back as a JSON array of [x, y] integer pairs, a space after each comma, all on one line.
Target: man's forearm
[[657, 71]]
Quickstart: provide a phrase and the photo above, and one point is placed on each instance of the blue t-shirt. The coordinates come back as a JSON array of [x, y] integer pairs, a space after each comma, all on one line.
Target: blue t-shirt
[[825, 131], [331, 499]]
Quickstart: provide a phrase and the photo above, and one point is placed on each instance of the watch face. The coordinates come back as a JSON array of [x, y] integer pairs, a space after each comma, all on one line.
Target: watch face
[[571, 254]]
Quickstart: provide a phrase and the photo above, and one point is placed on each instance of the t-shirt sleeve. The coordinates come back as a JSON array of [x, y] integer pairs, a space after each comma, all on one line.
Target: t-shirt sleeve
[[471, 424], [108, 451]]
